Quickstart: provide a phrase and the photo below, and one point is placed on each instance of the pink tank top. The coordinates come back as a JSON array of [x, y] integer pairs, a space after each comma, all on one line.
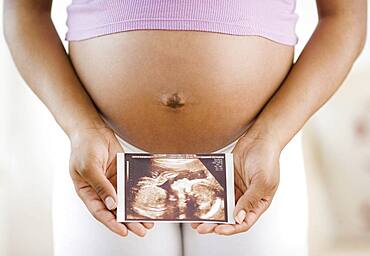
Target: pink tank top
[[272, 19]]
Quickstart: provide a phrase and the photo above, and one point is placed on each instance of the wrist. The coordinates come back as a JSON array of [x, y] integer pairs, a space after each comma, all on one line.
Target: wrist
[[260, 131], [89, 127]]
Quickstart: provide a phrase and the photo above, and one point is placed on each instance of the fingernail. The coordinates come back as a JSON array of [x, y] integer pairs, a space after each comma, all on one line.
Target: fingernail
[[240, 217], [150, 225], [143, 233], [250, 217], [200, 229], [109, 203]]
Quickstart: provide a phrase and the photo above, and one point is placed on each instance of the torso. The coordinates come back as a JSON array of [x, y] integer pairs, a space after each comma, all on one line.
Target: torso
[[180, 91]]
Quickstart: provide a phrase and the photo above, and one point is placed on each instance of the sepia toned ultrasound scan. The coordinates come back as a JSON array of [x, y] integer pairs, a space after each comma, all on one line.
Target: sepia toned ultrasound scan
[[175, 187]]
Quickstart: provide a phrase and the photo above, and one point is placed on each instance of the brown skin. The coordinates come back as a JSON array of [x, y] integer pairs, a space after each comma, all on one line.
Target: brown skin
[[337, 42], [342, 25], [26, 25], [213, 84], [256, 168], [94, 173]]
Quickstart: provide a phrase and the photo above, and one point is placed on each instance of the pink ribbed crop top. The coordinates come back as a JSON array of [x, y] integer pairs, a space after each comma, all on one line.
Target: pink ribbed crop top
[[272, 19]]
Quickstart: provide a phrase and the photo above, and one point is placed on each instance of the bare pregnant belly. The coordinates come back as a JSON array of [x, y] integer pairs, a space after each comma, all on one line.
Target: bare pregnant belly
[[180, 91]]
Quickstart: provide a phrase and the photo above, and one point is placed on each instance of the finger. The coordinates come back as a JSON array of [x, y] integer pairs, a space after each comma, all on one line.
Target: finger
[[248, 201], [251, 218], [238, 193], [239, 181], [99, 212], [205, 228], [254, 215], [230, 229], [111, 169], [111, 173], [195, 225], [102, 186], [148, 225], [117, 146], [136, 228]]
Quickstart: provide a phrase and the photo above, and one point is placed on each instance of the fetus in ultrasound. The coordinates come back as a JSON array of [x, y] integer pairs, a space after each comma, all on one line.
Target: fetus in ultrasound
[[176, 189]]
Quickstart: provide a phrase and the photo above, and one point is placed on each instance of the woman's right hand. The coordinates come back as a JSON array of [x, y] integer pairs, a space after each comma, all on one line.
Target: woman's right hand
[[93, 171]]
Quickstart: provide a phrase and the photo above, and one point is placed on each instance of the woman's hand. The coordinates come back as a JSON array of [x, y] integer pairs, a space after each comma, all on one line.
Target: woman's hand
[[256, 175], [93, 170]]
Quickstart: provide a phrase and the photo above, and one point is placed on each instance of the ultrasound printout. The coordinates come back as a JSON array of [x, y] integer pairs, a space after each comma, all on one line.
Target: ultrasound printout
[[175, 187]]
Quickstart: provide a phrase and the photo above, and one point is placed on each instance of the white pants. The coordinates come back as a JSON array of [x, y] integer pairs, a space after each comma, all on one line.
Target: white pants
[[281, 230]]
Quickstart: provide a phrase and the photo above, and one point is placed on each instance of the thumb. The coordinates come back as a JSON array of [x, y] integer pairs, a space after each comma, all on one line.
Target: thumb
[[102, 186], [247, 202]]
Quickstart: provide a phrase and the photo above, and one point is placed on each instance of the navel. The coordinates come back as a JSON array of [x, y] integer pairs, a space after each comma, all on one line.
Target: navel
[[173, 101]]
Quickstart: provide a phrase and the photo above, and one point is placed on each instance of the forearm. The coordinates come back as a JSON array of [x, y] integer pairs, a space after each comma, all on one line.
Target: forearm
[[43, 63], [314, 78]]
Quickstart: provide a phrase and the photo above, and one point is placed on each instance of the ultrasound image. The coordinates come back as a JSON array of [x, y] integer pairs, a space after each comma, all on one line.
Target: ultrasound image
[[175, 189]]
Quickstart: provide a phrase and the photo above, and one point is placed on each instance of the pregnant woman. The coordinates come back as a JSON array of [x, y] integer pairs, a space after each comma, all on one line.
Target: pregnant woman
[[194, 76]]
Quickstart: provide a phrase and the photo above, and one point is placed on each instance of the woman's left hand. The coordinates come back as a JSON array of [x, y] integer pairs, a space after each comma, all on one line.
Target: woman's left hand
[[256, 178]]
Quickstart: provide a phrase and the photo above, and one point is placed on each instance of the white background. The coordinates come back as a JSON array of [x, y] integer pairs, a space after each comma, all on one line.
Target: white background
[[33, 147]]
